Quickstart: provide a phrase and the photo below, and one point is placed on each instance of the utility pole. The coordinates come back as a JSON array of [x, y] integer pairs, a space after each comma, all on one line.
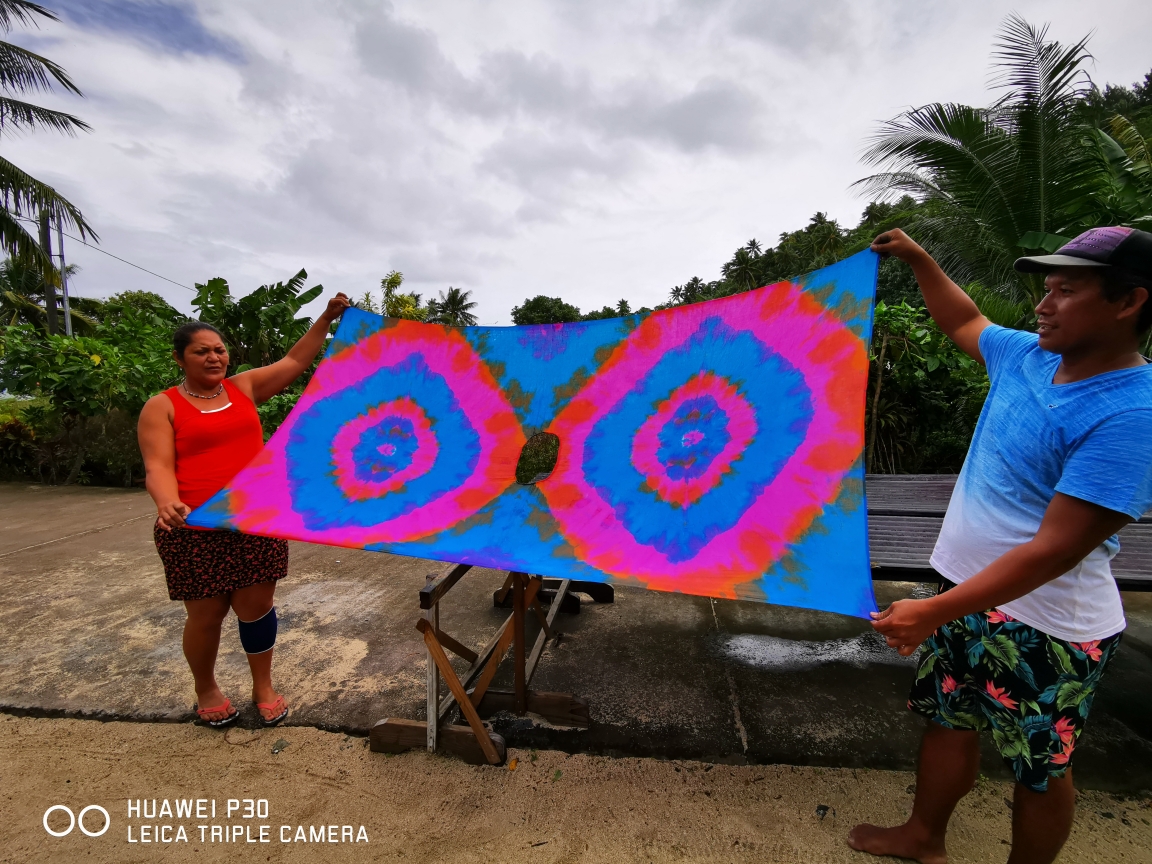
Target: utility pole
[[64, 280], [49, 288]]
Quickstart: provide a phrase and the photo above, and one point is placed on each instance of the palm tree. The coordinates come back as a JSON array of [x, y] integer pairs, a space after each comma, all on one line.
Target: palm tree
[[21, 195], [453, 309], [22, 293], [741, 270], [818, 244], [692, 291], [997, 181]]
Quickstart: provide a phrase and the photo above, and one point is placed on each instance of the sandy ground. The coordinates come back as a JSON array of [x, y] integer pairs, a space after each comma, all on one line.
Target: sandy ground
[[87, 631], [414, 807]]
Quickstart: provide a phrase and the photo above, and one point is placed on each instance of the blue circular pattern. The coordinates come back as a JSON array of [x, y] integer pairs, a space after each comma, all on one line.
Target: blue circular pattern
[[317, 497], [385, 448], [693, 438], [783, 409]]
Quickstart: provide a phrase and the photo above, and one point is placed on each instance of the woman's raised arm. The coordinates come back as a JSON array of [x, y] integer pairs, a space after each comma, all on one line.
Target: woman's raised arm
[[263, 383]]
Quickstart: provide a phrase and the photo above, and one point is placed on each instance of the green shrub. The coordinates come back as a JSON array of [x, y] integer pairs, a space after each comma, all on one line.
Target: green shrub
[[17, 445], [89, 390], [930, 395], [273, 412]]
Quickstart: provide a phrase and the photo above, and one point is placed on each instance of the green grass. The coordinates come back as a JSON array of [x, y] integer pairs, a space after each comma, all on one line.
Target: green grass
[[12, 408], [538, 458]]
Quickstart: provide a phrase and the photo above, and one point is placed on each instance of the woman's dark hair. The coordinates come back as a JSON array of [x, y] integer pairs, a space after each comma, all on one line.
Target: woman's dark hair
[[1117, 283], [182, 338]]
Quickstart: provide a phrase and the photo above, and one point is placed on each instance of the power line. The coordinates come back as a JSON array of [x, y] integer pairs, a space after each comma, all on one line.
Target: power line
[[117, 257], [130, 264]]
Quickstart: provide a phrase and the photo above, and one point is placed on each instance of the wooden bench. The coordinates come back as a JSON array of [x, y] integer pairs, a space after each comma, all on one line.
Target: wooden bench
[[905, 512]]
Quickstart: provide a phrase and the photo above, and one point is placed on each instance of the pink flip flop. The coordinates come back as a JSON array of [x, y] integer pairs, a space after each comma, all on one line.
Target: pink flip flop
[[274, 706], [233, 715]]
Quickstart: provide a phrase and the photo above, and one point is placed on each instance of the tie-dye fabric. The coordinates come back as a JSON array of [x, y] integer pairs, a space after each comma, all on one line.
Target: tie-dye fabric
[[712, 449]]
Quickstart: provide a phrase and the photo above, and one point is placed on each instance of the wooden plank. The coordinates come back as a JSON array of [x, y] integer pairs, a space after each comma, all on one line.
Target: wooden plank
[[927, 574], [493, 662], [908, 494], [457, 689], [479, 664], [1134, 560], [1128, 583], [896, 541], [518, 642], [396, 736], [506, 636], [905, 512], [917, 494], [600, 592], [907, 542], [541, 637], [562, 709], [432, 618], [436, 588], [493, 646], [547, 595], [540, 616], [905, 574], [461, 651], [501, 595]]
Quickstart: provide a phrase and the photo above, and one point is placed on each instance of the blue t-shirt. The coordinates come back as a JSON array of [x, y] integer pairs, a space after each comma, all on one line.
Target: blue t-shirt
[[1090, 439]]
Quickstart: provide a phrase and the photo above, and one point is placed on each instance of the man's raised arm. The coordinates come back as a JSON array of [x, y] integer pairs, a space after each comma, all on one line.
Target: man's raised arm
[[951, 308]]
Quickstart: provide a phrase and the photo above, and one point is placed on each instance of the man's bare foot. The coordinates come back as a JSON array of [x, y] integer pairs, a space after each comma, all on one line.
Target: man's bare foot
[[899, 842], [210, 698]]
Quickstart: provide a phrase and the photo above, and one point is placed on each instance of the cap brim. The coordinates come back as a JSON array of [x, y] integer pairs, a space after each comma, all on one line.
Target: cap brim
[[1043, 263]]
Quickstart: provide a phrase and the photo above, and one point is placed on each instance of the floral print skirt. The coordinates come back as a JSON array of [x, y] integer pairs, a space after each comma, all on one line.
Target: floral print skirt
[[1033, 691], [203, 564]]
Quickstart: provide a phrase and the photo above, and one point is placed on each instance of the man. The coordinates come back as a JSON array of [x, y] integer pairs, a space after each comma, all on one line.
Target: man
[[1029, 615]]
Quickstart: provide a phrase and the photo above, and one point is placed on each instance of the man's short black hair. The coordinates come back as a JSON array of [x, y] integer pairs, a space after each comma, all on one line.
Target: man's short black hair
[[1117, 283]]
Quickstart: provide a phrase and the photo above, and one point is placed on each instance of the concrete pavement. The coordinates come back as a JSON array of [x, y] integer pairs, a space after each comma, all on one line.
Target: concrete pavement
[[86, 629]]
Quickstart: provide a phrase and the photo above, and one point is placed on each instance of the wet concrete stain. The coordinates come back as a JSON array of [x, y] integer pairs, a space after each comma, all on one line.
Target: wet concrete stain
[[796, 655]]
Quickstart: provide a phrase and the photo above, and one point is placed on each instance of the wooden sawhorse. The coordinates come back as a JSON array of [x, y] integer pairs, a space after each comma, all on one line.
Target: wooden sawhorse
[[475, 742]]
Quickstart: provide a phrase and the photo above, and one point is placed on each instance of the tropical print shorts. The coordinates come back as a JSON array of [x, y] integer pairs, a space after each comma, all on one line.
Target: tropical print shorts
[[989, 671]]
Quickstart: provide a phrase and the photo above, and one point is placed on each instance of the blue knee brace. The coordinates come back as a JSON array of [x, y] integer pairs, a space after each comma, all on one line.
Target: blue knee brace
[[260, 635]]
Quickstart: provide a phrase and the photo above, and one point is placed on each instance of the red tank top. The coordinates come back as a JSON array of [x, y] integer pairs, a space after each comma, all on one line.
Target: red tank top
[[212, 446]]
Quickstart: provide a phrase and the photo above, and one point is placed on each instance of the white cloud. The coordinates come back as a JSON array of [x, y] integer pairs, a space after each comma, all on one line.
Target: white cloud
[[594, 150]]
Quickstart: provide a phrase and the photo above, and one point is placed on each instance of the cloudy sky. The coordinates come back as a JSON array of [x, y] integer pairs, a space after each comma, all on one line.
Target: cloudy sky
[[581, 148]]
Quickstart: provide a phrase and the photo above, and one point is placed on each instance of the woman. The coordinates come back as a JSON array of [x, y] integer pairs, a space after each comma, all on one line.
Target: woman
[[195, 437]]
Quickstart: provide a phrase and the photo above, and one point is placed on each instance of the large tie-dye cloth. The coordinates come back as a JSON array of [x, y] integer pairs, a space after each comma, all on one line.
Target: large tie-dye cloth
[[712, 449]]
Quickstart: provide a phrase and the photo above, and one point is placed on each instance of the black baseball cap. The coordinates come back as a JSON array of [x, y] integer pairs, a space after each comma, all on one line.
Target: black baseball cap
[[1114, 246]]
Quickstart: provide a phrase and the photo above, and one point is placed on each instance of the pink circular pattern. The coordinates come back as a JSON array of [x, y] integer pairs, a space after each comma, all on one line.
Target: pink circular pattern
[[646, 443], [832, 360], [261, 496], [344, 444]]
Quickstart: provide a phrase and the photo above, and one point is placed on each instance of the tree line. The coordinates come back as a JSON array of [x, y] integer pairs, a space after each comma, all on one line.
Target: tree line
[[1050, 156]]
